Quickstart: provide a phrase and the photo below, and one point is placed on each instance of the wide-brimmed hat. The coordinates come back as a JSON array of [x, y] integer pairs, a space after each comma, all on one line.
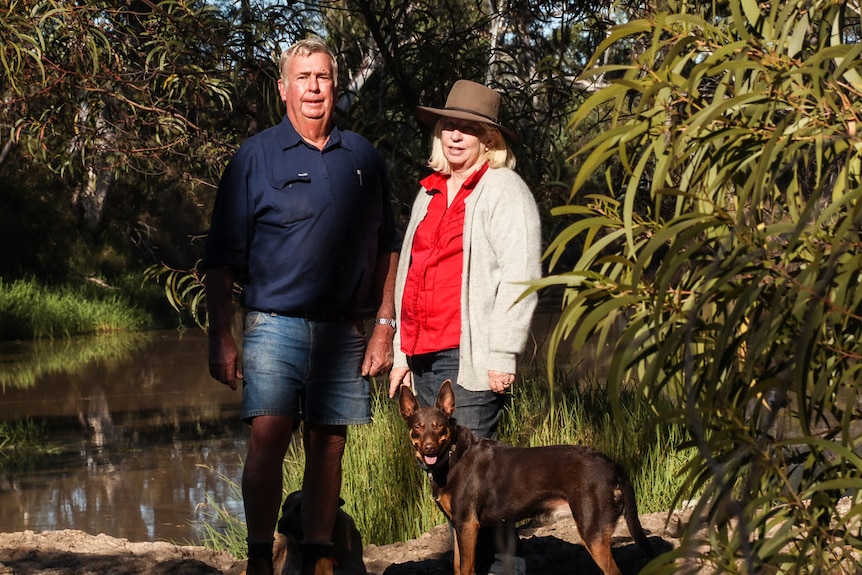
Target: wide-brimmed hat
[[468, 101]]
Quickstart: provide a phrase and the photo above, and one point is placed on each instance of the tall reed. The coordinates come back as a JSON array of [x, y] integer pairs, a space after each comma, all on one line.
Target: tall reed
[[222, 530], [389, 497]]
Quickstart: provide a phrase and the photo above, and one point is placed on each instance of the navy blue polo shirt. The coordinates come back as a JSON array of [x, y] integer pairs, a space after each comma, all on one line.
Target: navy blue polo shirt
[[303, 227]]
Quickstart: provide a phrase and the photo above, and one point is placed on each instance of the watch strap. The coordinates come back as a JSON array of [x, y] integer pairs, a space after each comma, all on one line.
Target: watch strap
[[386, 321]]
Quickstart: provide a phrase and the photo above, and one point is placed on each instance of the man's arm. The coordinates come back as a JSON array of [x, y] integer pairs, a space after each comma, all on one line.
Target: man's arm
[[223, 361], [378, 355]]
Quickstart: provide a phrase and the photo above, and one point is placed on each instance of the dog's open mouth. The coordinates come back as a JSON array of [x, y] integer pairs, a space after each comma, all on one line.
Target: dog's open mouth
[[429, 459]]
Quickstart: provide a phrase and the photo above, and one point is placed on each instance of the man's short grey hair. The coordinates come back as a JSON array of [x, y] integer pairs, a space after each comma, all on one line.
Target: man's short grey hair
[[304, 48]]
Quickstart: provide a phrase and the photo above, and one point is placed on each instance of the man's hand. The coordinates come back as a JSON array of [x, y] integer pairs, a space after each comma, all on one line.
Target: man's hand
[[378, 354], [223, 361]]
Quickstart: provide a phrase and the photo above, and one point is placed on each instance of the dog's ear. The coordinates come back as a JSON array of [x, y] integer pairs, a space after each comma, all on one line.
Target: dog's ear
[[446, 398], [407, 403]]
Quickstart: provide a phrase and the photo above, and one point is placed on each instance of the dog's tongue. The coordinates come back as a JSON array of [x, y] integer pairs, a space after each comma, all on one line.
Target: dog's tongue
[[430, 460]]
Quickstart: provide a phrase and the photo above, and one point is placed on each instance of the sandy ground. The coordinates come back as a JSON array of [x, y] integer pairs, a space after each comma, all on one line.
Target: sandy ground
[[550, 546]]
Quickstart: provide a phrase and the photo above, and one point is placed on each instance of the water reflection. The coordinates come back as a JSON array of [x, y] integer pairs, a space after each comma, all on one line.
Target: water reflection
[[146, 436], [22, 364]]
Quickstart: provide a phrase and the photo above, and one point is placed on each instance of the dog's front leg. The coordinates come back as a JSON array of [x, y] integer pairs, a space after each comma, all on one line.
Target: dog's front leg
[[466, 533]]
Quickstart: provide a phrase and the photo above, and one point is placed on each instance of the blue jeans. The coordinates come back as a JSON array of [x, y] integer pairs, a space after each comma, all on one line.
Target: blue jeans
[[304, 369], [478, 411]]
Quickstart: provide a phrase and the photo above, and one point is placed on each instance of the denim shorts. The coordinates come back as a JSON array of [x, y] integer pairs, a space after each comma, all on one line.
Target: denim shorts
[[478, 411], [304, 369]]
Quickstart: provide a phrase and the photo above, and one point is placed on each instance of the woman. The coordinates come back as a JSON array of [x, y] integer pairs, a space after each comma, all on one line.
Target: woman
[[472, 241]]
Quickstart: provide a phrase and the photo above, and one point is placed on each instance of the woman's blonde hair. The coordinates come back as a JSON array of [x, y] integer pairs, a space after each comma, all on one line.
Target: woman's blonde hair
[[498, 156]]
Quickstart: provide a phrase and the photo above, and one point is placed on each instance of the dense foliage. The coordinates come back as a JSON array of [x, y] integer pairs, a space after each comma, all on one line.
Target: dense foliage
[[725, 270]]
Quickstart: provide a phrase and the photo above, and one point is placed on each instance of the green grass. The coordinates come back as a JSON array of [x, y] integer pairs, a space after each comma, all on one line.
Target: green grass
[[22, 443], [29, 310], [383, 489], [389, 497], [648, 451], [222, 530]]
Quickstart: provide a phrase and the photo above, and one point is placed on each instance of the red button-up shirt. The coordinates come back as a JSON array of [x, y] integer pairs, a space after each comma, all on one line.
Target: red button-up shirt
[[431, 304]]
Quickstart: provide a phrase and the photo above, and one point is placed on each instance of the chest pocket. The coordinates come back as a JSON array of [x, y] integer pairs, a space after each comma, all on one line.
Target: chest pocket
[[280, 182], [289, 200]]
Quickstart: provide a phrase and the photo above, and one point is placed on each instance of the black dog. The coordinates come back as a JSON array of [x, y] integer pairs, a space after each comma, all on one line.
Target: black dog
[[480, 482], [346, 540]]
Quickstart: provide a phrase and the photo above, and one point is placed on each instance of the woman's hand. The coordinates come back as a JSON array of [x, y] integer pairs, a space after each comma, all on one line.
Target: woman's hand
[[500, 382], [397, 377]]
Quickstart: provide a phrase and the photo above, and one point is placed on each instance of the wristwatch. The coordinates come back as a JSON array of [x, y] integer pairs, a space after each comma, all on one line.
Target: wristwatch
[[386, 321]]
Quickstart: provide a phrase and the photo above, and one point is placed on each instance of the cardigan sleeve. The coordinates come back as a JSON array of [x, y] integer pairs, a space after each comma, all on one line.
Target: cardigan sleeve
[[502, 252], [514, 231]]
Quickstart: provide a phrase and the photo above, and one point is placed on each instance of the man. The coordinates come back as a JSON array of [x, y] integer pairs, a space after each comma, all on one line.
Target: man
[[302, 222]]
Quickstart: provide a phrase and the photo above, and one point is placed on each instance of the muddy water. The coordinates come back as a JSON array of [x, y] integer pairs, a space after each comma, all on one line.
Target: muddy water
[[141, 434]]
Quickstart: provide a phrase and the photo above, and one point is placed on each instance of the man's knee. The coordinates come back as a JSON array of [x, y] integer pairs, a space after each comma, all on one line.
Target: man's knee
[[271, 435], [325, 440]]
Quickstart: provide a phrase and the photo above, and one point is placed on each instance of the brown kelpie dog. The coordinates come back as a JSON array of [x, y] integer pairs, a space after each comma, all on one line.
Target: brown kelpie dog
[[480, 482]]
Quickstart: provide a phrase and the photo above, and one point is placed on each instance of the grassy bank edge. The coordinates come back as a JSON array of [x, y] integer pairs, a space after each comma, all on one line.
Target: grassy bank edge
[[30, 309]]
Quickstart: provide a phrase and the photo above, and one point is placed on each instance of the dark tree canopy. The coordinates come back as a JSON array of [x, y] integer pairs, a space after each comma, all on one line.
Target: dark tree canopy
[[131, 110]]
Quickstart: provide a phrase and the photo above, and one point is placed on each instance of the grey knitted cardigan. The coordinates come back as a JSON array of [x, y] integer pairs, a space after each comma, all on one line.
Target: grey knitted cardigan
[[502, 247]]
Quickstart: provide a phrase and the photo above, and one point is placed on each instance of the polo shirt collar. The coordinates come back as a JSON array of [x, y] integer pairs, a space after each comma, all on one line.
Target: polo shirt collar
[[288, 136]]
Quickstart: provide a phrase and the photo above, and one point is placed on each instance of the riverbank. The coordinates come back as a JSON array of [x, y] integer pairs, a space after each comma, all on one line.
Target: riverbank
[[551, 547]]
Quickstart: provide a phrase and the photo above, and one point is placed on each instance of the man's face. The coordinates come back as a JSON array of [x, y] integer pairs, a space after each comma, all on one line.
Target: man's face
[[307, 88]]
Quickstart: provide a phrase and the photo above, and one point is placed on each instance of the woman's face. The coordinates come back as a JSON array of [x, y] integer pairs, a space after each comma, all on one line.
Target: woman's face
[[464, 142]]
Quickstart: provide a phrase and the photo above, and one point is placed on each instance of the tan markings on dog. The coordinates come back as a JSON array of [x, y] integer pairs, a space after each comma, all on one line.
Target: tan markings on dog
[[324, 567], [416, 438], [279, 552], [445, 503], [600, 550], [551, 505], [467, 534]]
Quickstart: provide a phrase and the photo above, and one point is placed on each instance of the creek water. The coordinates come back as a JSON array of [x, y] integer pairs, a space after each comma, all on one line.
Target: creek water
[[141, 437]]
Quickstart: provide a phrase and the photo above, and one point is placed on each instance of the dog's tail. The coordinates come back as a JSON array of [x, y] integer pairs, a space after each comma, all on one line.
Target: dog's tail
[[630, 510]]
